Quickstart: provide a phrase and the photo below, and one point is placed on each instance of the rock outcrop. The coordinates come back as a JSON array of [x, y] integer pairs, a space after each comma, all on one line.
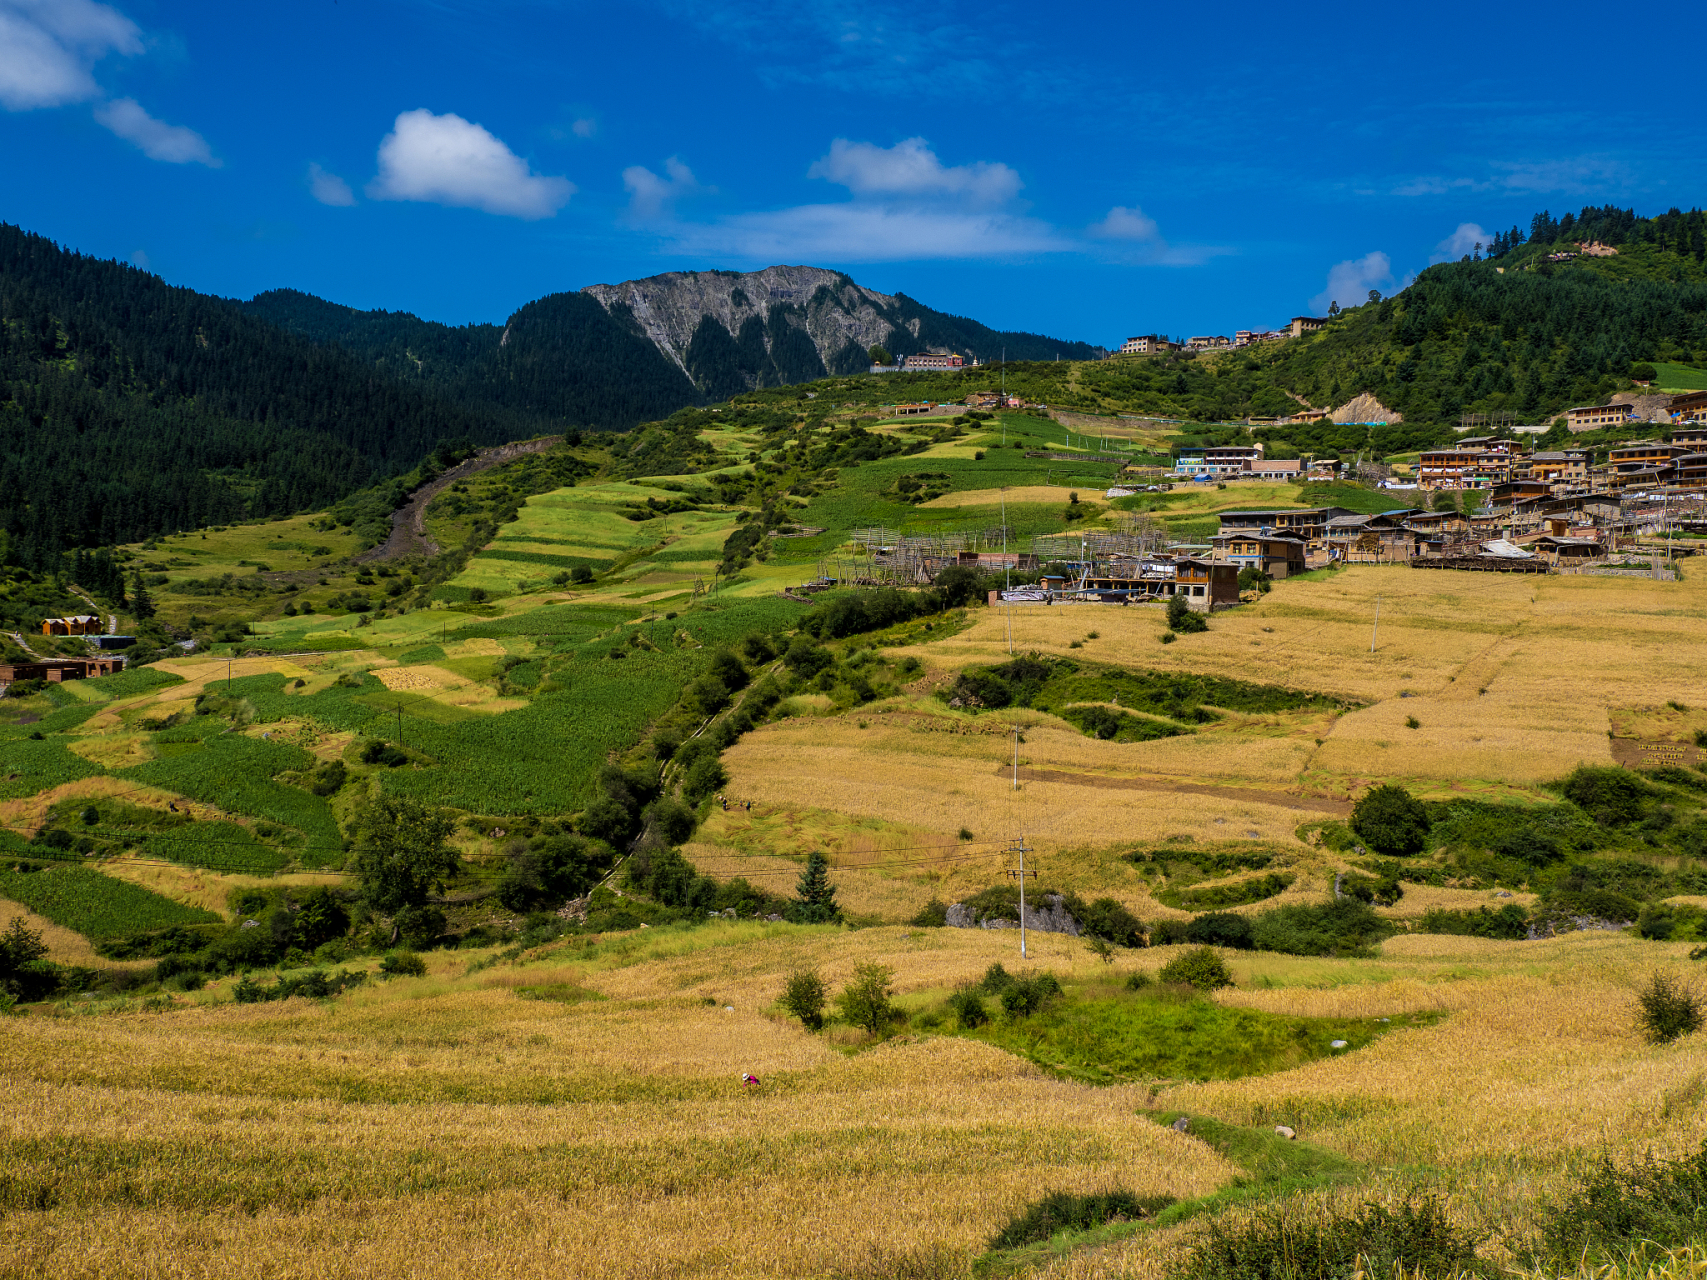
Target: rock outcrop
[[1365, 408], [731, 331], [1051, 917], [759, 328]]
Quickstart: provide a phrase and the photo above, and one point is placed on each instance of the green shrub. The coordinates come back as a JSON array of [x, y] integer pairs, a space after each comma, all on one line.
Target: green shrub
[[864, 1002], [1381, 890], [1613, 797], [1168, 933], [1663, 1202], [1391, 821], [1667, 1009], [933, 915], [1066, 1211], [380, 753], [671, 819], [967, 1005], [1183, 619], [1286, 1244], [1107, 918], [397, 964], [804, 998], [1029, 994], [1220, 929], [419, 925], [329, 778], [1344, 926], [1201, 967], [996, 980], [1510, 922]]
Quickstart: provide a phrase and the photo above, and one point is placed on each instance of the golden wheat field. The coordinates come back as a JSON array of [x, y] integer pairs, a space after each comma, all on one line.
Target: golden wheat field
[[582, 1109], [1510, 682]]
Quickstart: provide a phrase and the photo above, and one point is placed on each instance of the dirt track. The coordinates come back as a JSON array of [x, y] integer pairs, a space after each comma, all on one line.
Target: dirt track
[[409, 522], [1284, 799]]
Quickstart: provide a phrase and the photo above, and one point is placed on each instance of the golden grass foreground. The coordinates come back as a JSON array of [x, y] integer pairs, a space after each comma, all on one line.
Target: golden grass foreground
[[460, 1124]]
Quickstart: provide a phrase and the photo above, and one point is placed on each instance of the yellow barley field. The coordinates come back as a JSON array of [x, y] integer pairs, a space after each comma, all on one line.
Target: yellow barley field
[[585, 1104]]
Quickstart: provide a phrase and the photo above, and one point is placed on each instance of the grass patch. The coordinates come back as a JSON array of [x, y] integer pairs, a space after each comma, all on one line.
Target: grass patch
[[1160, 1033]]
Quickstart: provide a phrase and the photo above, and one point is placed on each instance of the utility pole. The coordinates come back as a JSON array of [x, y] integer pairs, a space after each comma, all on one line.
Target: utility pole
[[400, 723], [228, 658], [1377, 630], [1018, 846]]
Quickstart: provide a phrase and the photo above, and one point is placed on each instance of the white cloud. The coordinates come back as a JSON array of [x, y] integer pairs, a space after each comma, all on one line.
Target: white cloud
[[1432, 185], [584, 127], [157, 140], [907, 206], [140, 259], [1349, 282], [47, 48], [1126, 224], [858, 232], [329, 188], [1577, 174], [911, 169], [1137, 239], [651, 197], [448, 160], [1460, 242]]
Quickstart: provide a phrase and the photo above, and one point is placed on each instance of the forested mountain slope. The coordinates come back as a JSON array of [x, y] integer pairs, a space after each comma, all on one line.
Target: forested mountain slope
[[562, 357], [611, 356], [129, 407]]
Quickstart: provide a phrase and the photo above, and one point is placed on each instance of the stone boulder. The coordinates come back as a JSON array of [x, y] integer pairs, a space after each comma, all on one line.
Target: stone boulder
[[1051, 917]]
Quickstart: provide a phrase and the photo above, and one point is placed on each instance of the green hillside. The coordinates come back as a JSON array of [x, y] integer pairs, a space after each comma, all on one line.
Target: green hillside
[[129, 408]]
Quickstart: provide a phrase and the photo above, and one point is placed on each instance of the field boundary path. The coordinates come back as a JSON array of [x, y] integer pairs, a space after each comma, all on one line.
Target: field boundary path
[[409, 522], [1284, 799]]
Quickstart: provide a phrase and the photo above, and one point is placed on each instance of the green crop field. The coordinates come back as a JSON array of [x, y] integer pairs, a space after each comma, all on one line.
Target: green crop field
[[95, 905], [236, 773], [1679, 377], [27, 767]]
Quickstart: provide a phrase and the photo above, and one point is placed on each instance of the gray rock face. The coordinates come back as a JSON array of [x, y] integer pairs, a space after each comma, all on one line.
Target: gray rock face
[[1051, 917], [840, 319]]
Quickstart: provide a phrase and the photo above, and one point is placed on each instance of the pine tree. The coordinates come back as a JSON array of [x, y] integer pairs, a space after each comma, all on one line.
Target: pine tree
[[815, 896], [141, 603]]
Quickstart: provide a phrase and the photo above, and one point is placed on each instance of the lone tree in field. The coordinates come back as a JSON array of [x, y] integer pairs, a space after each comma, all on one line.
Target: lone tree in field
[[804, 998], [1183, 619], [879, 355], [1668, 1009], [401, 854], [1391, 821], [815, 896], [865, 1001]]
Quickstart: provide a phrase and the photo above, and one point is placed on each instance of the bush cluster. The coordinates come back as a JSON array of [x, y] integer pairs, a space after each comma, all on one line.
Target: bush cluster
[[316, 985], [1510, 922], [1201, 967], [1067, 1211], [1373, 1240], [1342, 927], [1612, 1208]]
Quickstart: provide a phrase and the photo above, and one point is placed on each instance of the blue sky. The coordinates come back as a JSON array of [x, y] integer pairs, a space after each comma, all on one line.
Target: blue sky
[[1092, 172]]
